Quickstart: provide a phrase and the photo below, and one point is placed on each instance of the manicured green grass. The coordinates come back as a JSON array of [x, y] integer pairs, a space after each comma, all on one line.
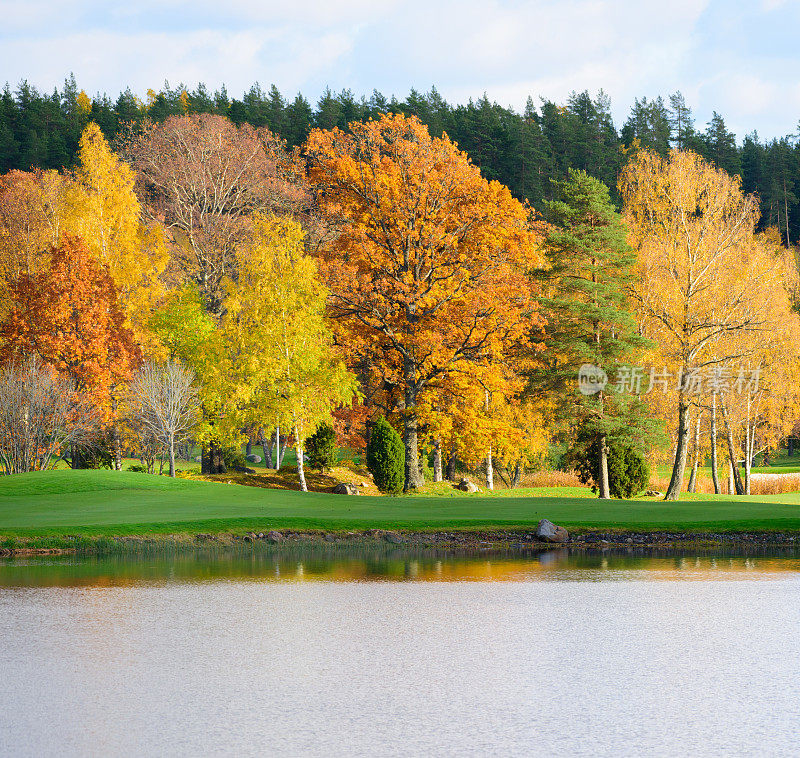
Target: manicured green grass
[[120, 503]]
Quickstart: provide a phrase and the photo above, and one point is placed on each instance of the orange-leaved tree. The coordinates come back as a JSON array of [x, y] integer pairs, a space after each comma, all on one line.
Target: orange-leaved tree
[[69, 315], [428, 271]]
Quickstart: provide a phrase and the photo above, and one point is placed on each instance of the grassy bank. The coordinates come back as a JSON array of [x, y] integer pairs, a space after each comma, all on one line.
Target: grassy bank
[[109, 503]]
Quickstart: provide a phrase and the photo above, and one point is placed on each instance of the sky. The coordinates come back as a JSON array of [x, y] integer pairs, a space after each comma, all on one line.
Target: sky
[[738, 58]]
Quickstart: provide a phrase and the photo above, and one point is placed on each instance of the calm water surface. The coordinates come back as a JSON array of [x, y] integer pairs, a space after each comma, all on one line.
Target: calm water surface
[[333, 653]]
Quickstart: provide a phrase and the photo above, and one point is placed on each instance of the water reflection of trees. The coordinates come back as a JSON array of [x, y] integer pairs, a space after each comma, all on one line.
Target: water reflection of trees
[[295, 563]]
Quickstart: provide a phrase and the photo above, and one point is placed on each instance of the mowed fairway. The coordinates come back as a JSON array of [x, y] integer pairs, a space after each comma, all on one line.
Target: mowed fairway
[[110, 502]]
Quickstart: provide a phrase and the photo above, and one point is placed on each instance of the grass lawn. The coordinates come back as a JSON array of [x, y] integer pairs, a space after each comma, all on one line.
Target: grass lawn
[[100, 503]]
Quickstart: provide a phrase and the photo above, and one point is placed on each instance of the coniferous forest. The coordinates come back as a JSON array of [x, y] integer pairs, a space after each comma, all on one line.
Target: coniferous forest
[[523, 151]]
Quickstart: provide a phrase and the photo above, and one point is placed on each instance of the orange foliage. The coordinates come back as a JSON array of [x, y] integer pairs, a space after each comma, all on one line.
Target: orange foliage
[[428, 272], [69, 315]]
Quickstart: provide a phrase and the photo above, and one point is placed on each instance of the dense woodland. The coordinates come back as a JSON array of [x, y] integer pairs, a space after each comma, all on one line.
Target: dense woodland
[[521, 150], [196, 269]]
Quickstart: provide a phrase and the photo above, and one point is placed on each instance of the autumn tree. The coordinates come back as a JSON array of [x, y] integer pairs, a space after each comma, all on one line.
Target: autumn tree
[[202, 177], [275, 316], [690, 224], [163, 400], [69, 315], [589, 321], [103, 209], [428, 272], [40, 415], [31, 221]]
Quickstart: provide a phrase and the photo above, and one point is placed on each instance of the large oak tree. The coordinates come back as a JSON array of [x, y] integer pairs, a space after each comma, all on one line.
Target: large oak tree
[[428, 271]]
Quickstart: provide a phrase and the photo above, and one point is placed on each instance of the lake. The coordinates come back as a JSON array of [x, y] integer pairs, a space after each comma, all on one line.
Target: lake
[[340, 652]]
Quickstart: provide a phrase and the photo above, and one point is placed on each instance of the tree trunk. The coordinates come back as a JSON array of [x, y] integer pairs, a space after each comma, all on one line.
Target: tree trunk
[[679, 464], [267, 446], [172, 456], [714, 472], [413, 478], [489, 470], [277, 448], [731, 483], [437, 460], [696, 455], [790, 447], [298, 446], [451, 466], [748, 451], [249, 449], [517, 476], [737, 479], [602, 485]]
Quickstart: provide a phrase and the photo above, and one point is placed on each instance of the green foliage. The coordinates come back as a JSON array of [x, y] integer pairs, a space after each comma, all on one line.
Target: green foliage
[[321, 447], [386, 457], [628, 472], [523, 150], [137, 468], [234, 458]]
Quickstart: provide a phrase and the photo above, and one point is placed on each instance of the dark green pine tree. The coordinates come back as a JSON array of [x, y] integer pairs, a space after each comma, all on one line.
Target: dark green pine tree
[[298, 121], [720, 146], [329, 111], [588, 321]]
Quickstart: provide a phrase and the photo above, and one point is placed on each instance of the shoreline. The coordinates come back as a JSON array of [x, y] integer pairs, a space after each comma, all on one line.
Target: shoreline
[[464, 539]]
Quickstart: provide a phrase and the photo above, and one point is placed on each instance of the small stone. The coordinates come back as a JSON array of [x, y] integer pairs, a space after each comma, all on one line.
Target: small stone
[[346, 489], [550, 532], [465, 485], [393, 538], [330, 538], [274, 537]]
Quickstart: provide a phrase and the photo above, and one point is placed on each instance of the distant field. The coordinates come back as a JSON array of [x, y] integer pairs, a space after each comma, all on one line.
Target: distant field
[[119, 503]]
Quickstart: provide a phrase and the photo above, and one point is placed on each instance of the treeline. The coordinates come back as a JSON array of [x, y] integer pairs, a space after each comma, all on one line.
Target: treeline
[[197, 281], [524, 151]]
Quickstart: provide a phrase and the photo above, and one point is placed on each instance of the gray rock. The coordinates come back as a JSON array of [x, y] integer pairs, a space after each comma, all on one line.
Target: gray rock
[[330, 538], [253, 458], [465, 485], [274, 537], [653, 493], [198, 459], [393, 538], [550, 532], [346, 489]]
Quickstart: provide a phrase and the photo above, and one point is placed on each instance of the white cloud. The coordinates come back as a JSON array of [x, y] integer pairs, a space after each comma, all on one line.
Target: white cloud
[[510, 48]]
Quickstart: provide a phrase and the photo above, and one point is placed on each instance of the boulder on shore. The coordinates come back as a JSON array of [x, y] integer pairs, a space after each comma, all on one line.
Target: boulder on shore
[[343, 488], [547, 531], [274, 537], [465, 485]]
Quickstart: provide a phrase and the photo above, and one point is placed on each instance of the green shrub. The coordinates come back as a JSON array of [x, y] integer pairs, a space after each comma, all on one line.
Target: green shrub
[[137, 468], [321, 448], [386, 457], [234, 459], [628, 472]]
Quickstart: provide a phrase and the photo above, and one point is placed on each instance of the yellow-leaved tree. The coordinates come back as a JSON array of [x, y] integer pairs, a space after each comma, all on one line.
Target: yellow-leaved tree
[[275, 313], [103, 209]]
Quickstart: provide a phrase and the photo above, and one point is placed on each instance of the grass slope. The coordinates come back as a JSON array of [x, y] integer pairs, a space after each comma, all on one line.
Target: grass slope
[[118, 503]]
